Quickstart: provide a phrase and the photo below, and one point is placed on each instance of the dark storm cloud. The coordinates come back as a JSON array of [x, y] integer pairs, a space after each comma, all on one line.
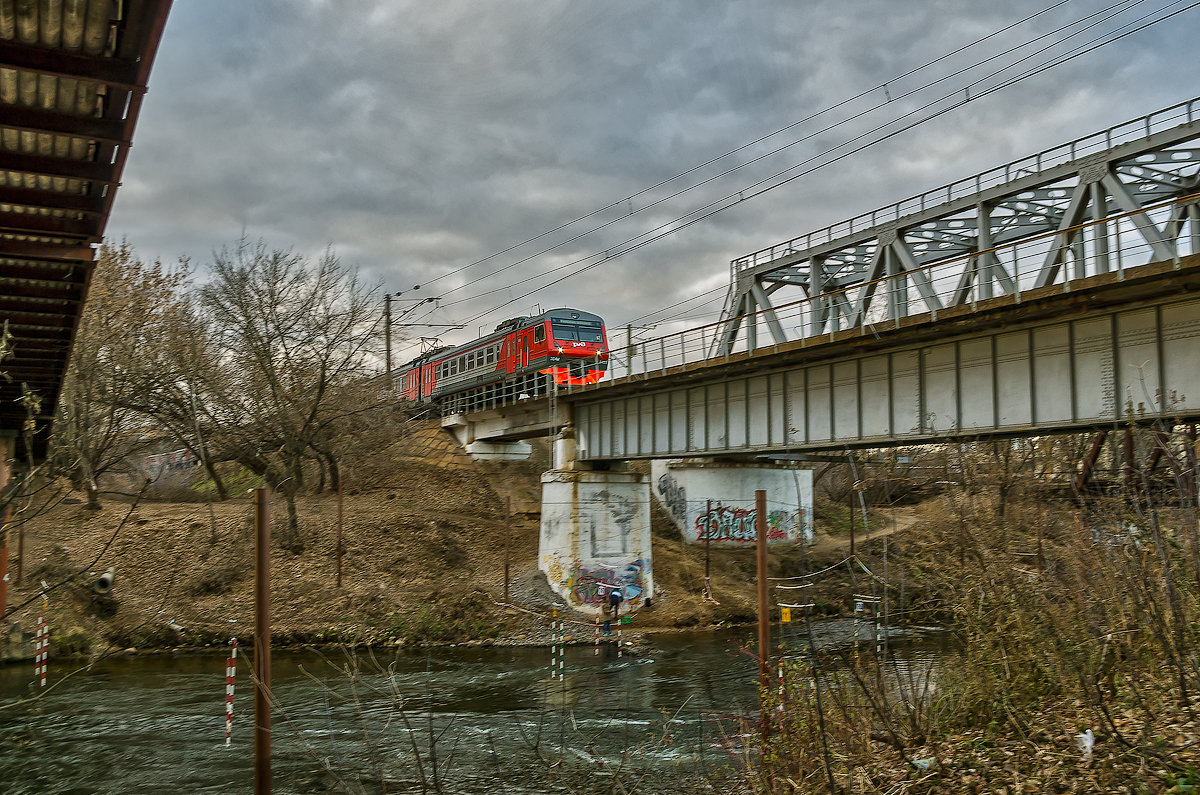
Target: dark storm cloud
[[415, 138]]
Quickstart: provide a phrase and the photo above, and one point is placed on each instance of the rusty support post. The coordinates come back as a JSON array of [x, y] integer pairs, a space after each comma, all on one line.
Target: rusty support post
[[341, 506], [764, 609], [1089, 461], [262, 643], [1162, 440], [707, 545], [507, 536], [387, 341], [20, 544]]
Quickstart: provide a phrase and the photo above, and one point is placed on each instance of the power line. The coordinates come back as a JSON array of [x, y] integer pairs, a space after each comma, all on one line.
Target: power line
[[625, 246], [1127, 3], [882, 86], [707, 211]]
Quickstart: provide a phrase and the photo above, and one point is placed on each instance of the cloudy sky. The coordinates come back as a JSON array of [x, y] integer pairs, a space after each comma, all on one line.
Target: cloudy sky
[[426, 142]]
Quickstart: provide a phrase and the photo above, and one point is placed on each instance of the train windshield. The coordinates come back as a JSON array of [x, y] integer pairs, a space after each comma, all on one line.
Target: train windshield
[[577, 330]]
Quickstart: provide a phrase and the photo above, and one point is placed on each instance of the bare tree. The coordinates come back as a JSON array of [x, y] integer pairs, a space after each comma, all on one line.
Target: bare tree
[[290, 345], [99, 428]]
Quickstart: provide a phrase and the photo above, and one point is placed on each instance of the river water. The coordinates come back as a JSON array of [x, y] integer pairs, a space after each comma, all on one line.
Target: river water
[[456, 720]]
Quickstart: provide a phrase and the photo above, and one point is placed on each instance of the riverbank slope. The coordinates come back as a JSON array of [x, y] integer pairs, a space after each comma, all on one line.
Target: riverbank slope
[[424, 533]]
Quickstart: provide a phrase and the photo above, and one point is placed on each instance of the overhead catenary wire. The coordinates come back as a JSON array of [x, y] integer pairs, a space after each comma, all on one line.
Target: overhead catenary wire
[[741, 198], [889, 100], [1127, 3], [781, 178], [816, 114]]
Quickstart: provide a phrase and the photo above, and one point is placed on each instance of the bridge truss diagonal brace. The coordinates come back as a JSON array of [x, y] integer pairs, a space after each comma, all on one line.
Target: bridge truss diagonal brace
[[733, 324], [874, 274], [919, 276], [1070, 218], [752, 303], [1096, 193], [984, 271], [768, 312], [1163, 248]]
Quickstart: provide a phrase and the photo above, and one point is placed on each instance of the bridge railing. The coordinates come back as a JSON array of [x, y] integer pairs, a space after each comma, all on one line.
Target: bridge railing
[[1019, 267], [1137, 129]]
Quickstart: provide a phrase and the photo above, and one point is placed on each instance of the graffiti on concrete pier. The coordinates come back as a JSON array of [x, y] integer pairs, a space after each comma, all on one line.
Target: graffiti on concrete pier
[[728, 523], [674, 497], [590, 585]]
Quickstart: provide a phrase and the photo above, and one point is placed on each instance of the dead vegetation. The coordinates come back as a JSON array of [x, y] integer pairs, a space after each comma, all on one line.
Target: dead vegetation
[[1073, 662]]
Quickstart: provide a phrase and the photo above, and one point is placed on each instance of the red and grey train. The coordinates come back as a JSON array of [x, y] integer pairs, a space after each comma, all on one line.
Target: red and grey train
[[566, 344]]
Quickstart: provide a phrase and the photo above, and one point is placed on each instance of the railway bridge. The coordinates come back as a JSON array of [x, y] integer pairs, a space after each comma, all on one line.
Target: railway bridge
[[1055, 293]]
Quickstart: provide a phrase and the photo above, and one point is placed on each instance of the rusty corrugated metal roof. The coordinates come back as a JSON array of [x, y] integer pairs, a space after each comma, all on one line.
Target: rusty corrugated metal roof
[[72, 77]]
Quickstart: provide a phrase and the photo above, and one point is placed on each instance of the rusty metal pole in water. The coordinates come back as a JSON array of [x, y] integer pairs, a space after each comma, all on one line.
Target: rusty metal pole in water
[[764, 614], [262, 643], [507, 533], [339, 532]]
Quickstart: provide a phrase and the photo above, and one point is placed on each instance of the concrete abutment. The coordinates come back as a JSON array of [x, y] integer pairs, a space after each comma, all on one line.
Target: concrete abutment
[[595, 535]]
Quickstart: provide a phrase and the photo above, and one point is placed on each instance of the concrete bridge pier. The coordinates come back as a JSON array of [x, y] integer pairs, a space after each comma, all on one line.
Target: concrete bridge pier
[[712, 501], [595, 531]]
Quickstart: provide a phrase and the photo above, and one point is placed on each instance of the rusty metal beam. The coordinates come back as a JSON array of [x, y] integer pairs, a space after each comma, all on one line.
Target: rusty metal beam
[[1089, 461], [1160, 447], [51, 200], [72, 252], [36, 223], [139, 39], [38, 120], [33, 317], [87, 170], [116, 72]]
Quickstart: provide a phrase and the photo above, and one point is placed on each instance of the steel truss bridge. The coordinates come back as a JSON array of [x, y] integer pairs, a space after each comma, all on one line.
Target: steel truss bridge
[[1091, 206], [1057, 292]]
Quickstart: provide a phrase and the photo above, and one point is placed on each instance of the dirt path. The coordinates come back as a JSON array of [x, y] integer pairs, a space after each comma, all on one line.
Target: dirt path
[[899, 520]]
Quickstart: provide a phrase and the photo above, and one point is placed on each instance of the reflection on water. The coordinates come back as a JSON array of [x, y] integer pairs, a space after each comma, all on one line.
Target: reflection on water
[[473, 720]]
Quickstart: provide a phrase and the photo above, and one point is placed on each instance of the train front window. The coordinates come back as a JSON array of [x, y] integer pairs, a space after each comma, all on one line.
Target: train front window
[[577, 330]]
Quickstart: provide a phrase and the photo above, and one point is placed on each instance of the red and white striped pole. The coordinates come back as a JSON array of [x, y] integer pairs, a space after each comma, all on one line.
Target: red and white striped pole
[[42, 645], [230, 672], [618, 620], [596, 638], [553, 642]]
